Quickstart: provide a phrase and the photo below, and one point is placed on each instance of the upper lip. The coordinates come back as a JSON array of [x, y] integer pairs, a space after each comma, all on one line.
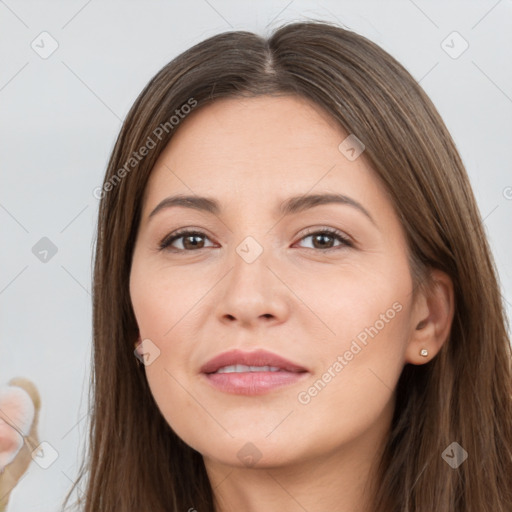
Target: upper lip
[[258, 357]]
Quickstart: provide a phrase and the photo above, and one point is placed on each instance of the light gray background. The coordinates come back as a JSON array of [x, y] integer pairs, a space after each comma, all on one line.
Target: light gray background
[[60, 117]]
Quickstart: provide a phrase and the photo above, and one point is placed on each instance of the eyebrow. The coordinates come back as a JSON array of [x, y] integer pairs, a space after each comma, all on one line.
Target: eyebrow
[[290, 206]]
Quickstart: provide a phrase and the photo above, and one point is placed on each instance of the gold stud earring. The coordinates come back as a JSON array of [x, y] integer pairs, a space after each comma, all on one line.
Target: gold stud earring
[[424, 352]]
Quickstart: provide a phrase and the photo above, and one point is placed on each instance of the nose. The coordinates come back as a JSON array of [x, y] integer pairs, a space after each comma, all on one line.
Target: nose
[[253, 293]]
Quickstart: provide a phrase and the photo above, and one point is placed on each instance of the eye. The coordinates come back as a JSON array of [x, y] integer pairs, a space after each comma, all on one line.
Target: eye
[[191, 240], [320, 238]]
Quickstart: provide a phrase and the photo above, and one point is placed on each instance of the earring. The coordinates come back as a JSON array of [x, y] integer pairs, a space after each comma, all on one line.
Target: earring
[[424, 352]]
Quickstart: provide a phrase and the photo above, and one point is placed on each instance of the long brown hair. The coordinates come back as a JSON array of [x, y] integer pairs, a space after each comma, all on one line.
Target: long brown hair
[[464, 395]]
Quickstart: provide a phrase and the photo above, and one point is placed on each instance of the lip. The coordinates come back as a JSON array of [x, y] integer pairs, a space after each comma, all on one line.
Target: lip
[[258, 357], [252, 383]]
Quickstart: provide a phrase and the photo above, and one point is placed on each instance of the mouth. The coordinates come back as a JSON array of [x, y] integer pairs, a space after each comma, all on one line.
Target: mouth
[[251, 373], [242, 368]]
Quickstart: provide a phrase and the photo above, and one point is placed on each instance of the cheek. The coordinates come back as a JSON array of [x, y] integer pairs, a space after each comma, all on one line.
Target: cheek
[[165, 303], [354, 386], [356, 304], [361, 358], [161, 298]]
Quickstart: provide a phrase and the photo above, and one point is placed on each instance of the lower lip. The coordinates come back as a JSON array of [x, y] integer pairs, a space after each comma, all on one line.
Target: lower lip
[[253, 383]]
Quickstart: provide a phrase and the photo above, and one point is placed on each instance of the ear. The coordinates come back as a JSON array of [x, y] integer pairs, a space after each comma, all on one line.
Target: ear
[[432, 318]]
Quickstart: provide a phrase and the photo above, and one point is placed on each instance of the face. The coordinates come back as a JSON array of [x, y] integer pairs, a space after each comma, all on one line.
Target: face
[[324, 285]]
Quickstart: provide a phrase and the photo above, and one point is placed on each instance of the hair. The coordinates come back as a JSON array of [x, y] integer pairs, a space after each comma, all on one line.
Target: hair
[[135, 461]]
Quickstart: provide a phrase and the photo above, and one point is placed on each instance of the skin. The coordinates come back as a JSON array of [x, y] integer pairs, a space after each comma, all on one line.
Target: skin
[[303, 300]]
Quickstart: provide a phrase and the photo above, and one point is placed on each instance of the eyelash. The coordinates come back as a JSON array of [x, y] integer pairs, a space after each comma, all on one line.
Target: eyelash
[[167, 241]]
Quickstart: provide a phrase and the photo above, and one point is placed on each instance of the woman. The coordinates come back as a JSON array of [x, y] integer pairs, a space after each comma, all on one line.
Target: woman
[[288, 238]]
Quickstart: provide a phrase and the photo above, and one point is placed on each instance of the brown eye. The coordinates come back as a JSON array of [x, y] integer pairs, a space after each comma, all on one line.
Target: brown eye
[[191, 240], [322, 239]]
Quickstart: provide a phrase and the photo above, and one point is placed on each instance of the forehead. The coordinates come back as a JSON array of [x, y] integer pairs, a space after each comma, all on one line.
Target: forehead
[[240, 149], [255, 127]]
